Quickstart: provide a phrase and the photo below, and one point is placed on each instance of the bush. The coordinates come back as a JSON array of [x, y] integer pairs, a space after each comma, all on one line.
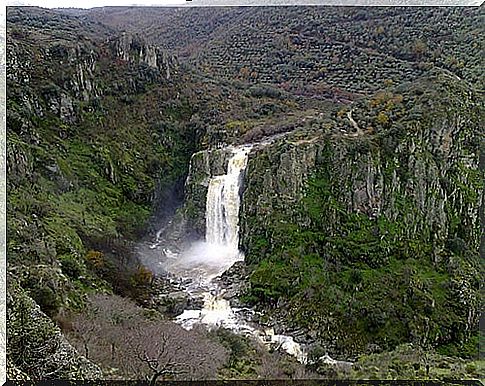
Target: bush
[[265, 91], [95, 259], [71, 266], [47, 300]]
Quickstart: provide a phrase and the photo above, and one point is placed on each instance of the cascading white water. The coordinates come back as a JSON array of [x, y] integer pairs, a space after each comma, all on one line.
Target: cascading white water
[[222, 205], [206, 260]]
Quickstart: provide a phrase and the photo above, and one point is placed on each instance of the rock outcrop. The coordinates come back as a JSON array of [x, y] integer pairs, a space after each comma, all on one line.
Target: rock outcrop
[[37, 349], [132, 48]]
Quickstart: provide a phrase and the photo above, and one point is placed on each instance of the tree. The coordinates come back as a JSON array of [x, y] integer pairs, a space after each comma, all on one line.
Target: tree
[[173, 353], [117, 334], [419, 48]]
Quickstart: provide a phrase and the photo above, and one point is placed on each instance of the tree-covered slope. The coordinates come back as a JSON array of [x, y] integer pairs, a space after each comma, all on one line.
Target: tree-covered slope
[[314, 50]]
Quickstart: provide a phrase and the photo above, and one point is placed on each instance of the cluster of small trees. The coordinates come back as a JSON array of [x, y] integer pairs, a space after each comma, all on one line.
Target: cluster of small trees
[[131, 343]]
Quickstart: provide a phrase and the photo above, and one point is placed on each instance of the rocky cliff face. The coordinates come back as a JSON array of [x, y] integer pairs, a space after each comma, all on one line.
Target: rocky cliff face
[[203, 165], [132, 49], [374, 230], [188, 224]]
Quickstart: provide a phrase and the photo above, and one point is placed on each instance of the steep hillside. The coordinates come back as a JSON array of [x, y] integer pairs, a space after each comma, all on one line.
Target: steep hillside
[[371, 238], [361, 227], [100, 130], [314, 49], [36, 348], [85, 149]]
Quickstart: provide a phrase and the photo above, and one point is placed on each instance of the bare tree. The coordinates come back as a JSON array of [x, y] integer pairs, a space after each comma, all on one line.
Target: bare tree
[[152, 346], [116, 333], [166, 351], [95, 330], [85, 330]]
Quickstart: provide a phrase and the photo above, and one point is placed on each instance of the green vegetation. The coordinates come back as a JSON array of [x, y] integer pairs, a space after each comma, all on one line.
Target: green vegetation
[[360, 226], [84, 173], [242, 360], [362, 281], [412, 362]]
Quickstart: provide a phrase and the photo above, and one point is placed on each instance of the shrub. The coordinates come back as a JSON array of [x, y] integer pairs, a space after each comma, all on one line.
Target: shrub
[[95, 259], [142, 276], [71, 266], [261, 91], [47, 300]]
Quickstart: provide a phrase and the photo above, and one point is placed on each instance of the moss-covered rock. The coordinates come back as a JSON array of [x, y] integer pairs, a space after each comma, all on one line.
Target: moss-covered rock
[[37, 349]]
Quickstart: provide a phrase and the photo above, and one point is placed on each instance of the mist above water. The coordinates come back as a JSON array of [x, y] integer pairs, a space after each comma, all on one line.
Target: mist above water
[[203, 261]]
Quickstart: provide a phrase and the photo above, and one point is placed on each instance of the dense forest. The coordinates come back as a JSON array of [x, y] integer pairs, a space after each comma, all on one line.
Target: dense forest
[[360, 214]]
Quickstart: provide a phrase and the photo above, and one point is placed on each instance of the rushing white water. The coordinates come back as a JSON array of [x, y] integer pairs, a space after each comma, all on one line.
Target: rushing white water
[[205, 260], [223, 199]]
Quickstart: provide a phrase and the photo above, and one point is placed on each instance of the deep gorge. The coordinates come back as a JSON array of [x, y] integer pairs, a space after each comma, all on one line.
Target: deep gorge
[[352, 236]]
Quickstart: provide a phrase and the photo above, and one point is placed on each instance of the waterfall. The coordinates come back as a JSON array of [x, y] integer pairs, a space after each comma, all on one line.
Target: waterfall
[[205, 260], [223, 200]]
